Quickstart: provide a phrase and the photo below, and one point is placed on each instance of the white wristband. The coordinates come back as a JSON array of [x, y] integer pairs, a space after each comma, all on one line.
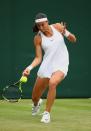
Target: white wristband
[[66, 34], [30, 67]]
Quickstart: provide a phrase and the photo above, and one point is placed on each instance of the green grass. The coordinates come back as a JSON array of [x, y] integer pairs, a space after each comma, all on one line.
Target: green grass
[[66, 115]]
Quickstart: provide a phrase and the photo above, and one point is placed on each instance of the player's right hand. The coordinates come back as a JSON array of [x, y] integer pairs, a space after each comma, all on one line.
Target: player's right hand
[[26, 72]]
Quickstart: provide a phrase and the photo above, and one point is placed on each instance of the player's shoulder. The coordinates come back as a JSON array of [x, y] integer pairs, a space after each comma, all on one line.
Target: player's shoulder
[[56, 25], [37, 39]]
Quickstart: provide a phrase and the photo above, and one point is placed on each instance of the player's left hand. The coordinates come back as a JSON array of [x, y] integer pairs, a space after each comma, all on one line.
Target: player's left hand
[[63, 27]]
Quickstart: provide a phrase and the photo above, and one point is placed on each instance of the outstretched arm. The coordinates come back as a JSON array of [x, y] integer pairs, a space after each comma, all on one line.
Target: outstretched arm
[[38, 51], [38, 56]]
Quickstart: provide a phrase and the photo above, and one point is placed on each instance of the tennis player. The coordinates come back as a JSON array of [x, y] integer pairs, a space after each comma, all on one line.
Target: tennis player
[[54, 66]]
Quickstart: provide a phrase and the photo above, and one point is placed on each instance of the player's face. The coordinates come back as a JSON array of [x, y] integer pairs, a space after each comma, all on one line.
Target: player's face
[[43, 26]]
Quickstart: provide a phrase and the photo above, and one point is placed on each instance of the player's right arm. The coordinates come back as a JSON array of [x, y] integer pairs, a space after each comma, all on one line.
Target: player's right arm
[[38, 55], [38, 51]]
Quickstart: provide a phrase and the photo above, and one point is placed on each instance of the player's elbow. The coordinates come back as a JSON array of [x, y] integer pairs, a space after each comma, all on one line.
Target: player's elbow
[[38, 59]]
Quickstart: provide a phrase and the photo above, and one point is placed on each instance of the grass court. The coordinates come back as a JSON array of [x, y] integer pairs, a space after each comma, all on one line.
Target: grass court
[[66, 115]]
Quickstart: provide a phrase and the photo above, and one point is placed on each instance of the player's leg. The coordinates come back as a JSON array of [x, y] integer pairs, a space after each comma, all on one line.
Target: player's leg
[[39, 87], [56, 78]]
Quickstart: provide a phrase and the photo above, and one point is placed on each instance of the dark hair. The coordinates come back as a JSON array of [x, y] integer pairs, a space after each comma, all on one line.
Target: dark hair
[[35, 28], [38, 16]]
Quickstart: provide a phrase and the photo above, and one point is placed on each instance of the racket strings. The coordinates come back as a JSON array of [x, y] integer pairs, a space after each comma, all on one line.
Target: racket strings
[[12, 93]]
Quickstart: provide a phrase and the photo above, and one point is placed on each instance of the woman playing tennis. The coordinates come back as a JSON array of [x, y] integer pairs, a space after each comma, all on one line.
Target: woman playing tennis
[[55, 62]]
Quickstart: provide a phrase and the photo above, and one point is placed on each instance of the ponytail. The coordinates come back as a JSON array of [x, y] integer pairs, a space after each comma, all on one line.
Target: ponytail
[[35, 28]]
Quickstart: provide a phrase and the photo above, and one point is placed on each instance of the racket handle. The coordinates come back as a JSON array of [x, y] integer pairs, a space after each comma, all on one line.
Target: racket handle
[[16, 82]]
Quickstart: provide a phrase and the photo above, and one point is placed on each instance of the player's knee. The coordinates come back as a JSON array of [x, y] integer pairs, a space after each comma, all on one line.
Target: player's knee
[[52, 84]]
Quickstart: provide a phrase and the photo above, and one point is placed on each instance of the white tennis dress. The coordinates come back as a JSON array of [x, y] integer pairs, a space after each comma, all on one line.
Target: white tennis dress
[[56, 57]]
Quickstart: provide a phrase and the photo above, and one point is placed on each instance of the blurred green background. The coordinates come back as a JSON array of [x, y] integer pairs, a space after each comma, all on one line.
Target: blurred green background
[[17, 49]]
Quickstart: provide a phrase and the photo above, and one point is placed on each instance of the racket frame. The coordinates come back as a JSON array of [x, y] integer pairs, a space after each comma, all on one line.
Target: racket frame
[[20, 88]]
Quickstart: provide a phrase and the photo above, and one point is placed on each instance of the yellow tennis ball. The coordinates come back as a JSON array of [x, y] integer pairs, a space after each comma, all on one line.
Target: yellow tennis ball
[[23, 79]]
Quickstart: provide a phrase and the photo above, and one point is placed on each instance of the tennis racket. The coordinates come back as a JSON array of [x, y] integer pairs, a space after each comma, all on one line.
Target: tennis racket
[[13, 92]]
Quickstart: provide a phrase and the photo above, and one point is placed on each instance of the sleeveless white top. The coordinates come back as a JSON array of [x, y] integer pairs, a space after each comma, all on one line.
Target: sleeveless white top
[[56, 55]]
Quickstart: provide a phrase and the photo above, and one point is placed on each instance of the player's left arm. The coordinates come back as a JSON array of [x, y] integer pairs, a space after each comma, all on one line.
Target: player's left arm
[[63, 30], [71, 37]]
